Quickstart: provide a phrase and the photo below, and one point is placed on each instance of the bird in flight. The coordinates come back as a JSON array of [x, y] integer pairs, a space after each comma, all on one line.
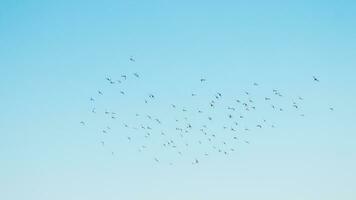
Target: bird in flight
[[132, 59], [202, 80], [100, 92], [315, 79]]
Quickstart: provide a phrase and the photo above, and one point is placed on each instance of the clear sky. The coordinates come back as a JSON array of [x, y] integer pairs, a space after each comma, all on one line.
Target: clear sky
[[55, 55]]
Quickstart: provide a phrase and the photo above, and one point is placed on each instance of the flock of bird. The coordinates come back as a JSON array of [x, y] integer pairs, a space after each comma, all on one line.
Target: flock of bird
[[212, 127]]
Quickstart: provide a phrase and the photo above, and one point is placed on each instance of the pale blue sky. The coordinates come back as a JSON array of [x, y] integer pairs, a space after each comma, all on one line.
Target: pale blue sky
[[55, 55]]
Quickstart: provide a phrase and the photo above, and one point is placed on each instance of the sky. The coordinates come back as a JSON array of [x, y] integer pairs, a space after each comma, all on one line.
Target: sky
[[55, 55]]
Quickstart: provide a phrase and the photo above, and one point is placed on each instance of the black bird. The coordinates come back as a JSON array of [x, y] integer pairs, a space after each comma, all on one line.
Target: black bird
[[82, 123], [331, 108], [132, 59], [124, 76], [202, 80], [315, 79], [101, 93], [136, 74], [92, 99]]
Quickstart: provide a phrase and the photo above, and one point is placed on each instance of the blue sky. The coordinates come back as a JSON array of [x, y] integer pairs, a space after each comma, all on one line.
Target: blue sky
[[55, 55]]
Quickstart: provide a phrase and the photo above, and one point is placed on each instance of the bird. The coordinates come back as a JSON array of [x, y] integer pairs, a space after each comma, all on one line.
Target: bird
[[132, 59], [82, 123], [202, 80], [136, 75], [315, 79], [99, 92]]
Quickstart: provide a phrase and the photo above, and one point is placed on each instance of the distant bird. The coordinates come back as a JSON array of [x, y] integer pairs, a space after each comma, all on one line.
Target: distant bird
[[202, 80], [315, 79], [255, 84], [99, 92], [136, 75], [124, 76], [132, 59], [331, 108], [122, 92], [82, 123], [92, 99]]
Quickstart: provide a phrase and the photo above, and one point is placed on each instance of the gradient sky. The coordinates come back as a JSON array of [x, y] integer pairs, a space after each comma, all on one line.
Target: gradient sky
[[54, 55]]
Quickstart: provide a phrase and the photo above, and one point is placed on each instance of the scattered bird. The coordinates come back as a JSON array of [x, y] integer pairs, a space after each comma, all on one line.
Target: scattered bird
[[188, 129]]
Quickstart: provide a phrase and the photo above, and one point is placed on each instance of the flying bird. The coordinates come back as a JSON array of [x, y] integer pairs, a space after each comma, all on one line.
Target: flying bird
[[315, 79]]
